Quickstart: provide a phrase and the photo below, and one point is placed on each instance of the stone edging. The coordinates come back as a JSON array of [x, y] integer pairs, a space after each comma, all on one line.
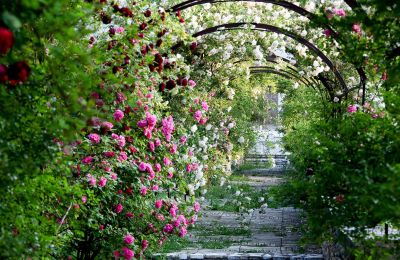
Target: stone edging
[[237, 256]]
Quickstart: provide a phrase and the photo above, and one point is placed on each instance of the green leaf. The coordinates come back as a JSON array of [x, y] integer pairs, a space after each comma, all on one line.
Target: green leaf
[[11, 21]]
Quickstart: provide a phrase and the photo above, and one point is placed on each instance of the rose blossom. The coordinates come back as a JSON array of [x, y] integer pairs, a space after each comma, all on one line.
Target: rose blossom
[[107, 125], [102, 181], [119, 208], [192, 83], [145, 244], [173, 149], [158, 204], [167, 162], [152, 146], [351, 109], [183, 139], [182, 231], [157, 167], [196, 207], [87, 160], [118, 115], [122, 157], [129, 239], [143, 191], [127, 253], [168, 228], [197, 115], [94, 138], [204, 105], [6, 40]]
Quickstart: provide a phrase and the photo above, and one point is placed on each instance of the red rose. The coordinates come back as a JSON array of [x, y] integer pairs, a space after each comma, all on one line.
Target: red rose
[[147, 13], [18, 72], [143, 26], [193, 46], [6, 40], [3, 73]]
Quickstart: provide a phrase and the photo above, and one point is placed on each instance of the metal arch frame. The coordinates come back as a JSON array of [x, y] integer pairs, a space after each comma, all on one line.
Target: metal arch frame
[[353, 4], [284, 74], [259, 69], [305, 80], [189, 3], [272, 58], [271, 28]]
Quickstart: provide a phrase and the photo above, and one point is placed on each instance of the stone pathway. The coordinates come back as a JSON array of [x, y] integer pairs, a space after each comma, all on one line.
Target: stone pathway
[[265, 233]]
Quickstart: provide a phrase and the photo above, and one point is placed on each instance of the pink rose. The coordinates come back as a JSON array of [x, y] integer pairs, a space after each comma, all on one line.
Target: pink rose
[[158, 204], [102, 181], [152, 146], [118, 115], [183, 139], [129, 239], [182, 231], [352, 109], [157, 167], [167, 162], [94, 138], [151, 120], [197, 115], [192, 83], [87, 160], [109, 154], [356, 28], [142, 123], [339, 12], [113, 176], [196, 207], [142, 166], [204, 105], [168, 228], [122, 157], [173, 149], [127, 253], [84, 199], [145, 244], [119, 208], [143, 191]]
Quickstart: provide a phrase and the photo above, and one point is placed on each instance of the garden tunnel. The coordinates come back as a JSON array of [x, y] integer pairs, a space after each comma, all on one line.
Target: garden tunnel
[[270, 28], [124, 122]]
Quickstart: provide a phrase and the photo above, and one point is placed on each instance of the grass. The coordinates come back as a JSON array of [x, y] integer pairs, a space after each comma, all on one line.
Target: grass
[[178, 244], [224, 198], [221, 231]]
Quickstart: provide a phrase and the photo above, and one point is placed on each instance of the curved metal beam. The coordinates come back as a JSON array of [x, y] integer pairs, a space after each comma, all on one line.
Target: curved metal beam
[[271, 28], [287, 5], [287, 73]]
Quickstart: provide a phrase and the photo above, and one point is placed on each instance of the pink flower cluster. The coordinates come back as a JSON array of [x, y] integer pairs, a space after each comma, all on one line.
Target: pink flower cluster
[[148, 124], [94, 138], [352, 109], [121, 139], [148, 168], [168, 127]]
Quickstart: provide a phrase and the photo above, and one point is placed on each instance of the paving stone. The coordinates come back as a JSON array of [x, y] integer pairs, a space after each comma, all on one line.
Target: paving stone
[[183, 256], [266, 257], [219, 255], [313, 257], [197, 256]]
